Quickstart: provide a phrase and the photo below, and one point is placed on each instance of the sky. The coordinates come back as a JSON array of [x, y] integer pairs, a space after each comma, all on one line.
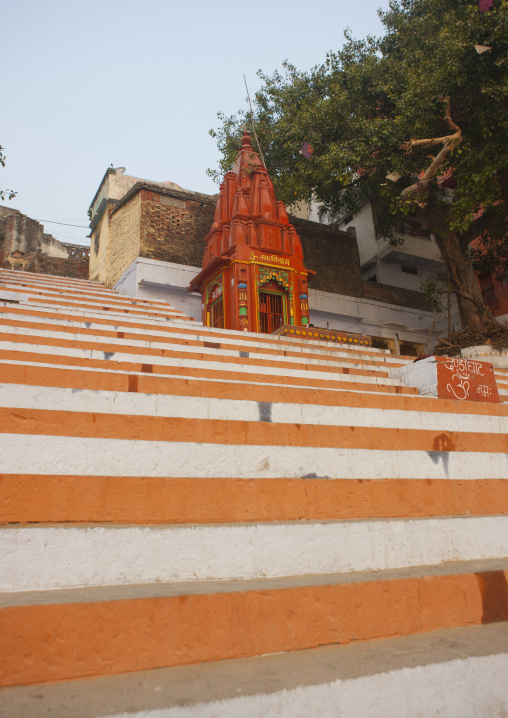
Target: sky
[[139, 84]]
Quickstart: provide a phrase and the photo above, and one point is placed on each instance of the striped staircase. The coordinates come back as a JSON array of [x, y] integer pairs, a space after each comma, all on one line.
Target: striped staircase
[[202, 522]]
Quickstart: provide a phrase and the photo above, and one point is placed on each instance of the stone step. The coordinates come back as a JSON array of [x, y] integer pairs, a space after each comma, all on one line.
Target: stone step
[[72, 302], [173, 494], [18, 277], [423, 436], [122, 344], [99, 444], [426, 674], [31, 290], [174, 337], [69, 634], [422, 414], [85, 290], [133, 372], [203, 366], [45, 557], [158, 500], [173, 328], [263, 392]]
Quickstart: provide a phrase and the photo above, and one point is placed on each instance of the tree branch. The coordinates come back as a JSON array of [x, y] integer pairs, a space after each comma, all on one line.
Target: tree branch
[[449, 143]]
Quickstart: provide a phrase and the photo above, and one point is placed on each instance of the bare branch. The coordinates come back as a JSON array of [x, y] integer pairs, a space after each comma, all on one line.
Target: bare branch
[[449, 143], [448, 115]]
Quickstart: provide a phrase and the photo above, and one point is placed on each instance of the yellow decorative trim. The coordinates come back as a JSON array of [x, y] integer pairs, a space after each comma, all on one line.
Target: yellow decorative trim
[[268, 258], [264, 264]]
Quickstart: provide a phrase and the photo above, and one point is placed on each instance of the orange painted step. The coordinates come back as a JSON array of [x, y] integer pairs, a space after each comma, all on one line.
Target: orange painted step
[[180, 353], [176, 341], [147, 383], [26, 498], [94, 293], [9, 275], [164, 625], [214, 334], [402, 398], [243, 433], [189, 372]]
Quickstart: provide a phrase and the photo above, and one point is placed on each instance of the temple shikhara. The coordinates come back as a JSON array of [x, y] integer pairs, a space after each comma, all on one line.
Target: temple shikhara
[[253, 275]]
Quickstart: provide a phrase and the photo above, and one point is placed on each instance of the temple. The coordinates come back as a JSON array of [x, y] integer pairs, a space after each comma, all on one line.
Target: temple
[[253, 277]]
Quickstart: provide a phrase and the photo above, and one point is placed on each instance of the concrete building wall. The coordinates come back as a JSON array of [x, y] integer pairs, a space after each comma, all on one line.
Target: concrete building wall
[[114, 186], [392, 326], [363, 224], [409, 276], [162, 281], [406, 265], [397, 295]]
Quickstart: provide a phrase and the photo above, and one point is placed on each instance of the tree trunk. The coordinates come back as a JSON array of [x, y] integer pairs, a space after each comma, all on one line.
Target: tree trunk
[[472, 310]]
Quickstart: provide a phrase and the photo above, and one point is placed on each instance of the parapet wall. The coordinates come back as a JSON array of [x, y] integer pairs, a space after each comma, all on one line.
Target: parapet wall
[[26, 235], [396, 295]]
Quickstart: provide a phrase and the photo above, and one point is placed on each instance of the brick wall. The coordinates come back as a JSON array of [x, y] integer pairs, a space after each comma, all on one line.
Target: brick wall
[[396, 295], [21, 233], [24, 234], [75, 267], [41, 252], [99, 246], [174, 225], [124, 237], [333, 255]]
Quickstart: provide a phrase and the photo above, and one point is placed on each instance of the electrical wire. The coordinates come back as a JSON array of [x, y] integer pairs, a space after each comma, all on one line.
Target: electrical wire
[[72, 239], [66, 224]]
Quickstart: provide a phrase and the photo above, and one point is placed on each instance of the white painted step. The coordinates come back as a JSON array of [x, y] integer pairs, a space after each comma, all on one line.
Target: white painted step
[[23, 396], [44, 558]]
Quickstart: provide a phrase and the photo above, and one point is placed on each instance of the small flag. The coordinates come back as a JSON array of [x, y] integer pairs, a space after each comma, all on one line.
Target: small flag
[[393, 176], [482, 48], [307, 150], [484, 5]]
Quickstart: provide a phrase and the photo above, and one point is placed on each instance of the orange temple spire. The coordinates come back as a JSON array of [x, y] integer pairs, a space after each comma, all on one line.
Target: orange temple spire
[[253, 277]]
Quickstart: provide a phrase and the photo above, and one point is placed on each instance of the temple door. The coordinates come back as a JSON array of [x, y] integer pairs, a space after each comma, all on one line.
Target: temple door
[[217, 314], [271, 308]]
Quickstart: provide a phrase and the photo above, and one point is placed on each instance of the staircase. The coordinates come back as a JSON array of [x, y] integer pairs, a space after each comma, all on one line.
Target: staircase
[[201, 522]]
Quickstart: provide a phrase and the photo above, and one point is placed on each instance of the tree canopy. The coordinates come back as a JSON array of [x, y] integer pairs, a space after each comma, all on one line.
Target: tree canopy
[[361, 107]]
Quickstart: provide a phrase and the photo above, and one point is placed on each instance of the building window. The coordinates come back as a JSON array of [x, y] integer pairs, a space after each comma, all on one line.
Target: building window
[[412, 228], [408, 270]]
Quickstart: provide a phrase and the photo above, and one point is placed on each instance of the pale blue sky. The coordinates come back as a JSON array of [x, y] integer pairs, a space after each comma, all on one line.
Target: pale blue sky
[[139, 84]]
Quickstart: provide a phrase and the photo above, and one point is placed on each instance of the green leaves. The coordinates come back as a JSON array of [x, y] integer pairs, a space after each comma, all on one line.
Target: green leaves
[[5, 193], [365, 100]]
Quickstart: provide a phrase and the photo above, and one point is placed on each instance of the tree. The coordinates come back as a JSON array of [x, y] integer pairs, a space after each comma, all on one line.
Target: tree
[[361, 108], [4, 193]]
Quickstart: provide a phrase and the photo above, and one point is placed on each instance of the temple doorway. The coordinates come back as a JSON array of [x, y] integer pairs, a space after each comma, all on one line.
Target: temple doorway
[[218, 314], [271, 308]]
